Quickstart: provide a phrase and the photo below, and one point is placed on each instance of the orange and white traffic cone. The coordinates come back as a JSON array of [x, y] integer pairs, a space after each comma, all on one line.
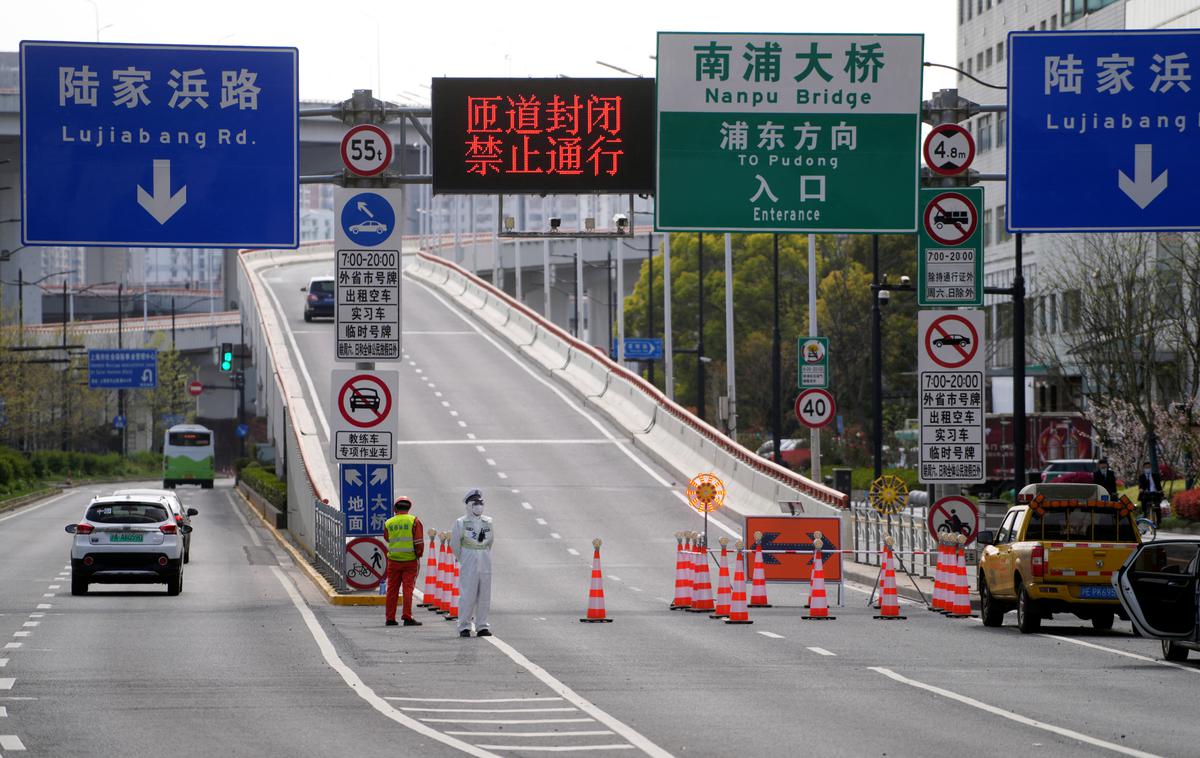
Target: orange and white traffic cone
[[737, 609], [443, 577], [758, 590], [818, 604], [939, 577], [683, 575], [430, 593], [724, 590], [455, 587], [962, 593], [595, 611], [889, 607], [702, 594]]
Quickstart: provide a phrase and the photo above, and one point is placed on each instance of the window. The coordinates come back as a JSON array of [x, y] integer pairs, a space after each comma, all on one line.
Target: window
[[970, 10], [126, 513], [968, 65], [1000, 51], [987, 226], [1007, 528], [960, 71], [989, 4], [1001, 123], [984, 136], [987, 57], [1052, 313], [1039, 307], [1030, 308], [1053, 23], [979, 7], [1002, 234], [979, 61], [1071, 304]]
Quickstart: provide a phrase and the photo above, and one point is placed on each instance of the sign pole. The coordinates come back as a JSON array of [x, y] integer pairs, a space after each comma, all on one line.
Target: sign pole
[[620, 301], [1018, 323], [814, 435], [668, 346], [730, 374], [877, 362], [776, 369]]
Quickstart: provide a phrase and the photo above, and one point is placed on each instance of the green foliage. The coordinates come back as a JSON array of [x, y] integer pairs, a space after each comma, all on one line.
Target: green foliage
[[265, 483]]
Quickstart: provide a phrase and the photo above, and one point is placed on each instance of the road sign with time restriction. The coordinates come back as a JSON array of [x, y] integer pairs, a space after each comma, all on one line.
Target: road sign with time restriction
[[364, 420], [950, 401], [367, 325], [950, 248]]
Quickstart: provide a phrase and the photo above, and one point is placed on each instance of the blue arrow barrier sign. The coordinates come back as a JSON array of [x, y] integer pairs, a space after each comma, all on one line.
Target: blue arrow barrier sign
[[122, 369], [366, 490], [159, 145], [1104, 131], [640, 349]]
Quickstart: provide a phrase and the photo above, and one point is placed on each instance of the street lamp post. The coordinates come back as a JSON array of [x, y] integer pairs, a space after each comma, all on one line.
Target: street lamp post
[[776, 358], [700, 329]]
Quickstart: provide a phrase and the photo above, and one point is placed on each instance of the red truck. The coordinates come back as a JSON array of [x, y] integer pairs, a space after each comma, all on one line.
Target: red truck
[[1048, 436]]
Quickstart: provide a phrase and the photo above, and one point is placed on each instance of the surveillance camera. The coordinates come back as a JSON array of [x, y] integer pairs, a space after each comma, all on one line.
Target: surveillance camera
[[555, 222], [905, 281], [621, 220], [884, 297]]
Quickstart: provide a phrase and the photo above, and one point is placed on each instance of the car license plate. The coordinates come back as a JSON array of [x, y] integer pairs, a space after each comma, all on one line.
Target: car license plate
[[1098, 592], [125, 537]]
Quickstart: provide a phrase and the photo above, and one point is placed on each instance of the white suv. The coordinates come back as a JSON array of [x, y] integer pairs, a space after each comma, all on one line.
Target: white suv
[[127, 539], [182, 515]]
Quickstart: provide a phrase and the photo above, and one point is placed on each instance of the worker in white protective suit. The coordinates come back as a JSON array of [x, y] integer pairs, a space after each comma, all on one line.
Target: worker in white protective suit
[[471, 540]]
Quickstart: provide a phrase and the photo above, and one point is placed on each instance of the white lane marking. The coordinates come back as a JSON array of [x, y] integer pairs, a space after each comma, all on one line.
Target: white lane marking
[[556, 748], [470, 435], [567, 709], [11, 742], [475, 699], [3, 712], [454, 414], [516, 492], [541, 521], [445, 404], [555, 535], [567, 401], [510, 733], [334, 661], [412, 363], [501, 474], [66, 568], [48, 594], [490, 461], [572, 551], [7, 683], [31, 623], [3, 662], [614, 577], [462, 423], [437, 394], [12, 645], [313, 397], [772, 635], [37, 615], [1068, 733], [420, 371], [527, 506], [637, 589], [432, 386], [630, 734], [54, 587], [1115, 651], [33, 508], [584, 441], [480, 448], [821, 651], [44, 606], [505, 721], [22, 634]]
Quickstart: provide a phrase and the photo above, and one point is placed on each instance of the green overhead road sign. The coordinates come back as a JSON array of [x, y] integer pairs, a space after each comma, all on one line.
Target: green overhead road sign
[[788, 132], [812, 358], [950, 247]]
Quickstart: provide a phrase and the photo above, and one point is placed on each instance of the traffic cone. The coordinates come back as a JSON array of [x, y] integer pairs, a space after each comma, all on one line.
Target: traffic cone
[[443, 578], [962, 593], [683, 575], [702, 596], [889, 608], [455, 588], [758, 591], [430, 594], [818, 604], [595, 611], [724, 591], [939, 577], [737, 610]]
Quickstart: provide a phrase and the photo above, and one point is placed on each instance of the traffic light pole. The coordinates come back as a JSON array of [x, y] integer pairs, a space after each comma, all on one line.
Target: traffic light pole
[[242, 387]]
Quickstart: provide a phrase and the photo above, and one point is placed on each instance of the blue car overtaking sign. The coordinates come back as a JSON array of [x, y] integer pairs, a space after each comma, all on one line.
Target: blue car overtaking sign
[[159, 146], [1104, 131], [122, 369]]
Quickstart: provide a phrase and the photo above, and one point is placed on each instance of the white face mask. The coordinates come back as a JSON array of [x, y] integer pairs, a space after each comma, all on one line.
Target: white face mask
[[477, 509], [1146, 470]]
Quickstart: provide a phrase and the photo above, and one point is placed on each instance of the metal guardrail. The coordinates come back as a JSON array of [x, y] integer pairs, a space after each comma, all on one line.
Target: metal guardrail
[[331, 545]]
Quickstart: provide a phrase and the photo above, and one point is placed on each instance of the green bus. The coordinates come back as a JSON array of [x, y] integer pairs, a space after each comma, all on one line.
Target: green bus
[[188, 456]]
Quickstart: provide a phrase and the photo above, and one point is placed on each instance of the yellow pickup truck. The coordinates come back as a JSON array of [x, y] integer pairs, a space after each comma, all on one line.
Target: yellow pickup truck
[[1056, 552]]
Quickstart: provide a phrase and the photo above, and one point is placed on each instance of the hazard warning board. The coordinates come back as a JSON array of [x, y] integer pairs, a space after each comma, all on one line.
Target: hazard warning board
[[950, 366], [364, 422], [366, 562], [787, 544]]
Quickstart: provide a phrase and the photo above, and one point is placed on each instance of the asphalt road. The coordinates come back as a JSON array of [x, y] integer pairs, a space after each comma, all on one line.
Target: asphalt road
[[249, 660]]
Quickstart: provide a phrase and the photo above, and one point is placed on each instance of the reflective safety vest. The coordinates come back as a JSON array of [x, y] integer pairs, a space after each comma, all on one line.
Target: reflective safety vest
[[400, 537]]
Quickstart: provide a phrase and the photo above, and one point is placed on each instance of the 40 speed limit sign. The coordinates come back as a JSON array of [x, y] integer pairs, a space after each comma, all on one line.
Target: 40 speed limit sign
[[366, 150], [815, 408]]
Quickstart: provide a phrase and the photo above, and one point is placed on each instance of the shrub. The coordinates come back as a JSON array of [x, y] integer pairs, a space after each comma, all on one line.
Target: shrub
[[1186, 505], [6, 472], [265, 483]]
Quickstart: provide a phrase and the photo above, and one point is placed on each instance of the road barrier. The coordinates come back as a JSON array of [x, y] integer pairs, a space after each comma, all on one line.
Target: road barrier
[[667, 431]]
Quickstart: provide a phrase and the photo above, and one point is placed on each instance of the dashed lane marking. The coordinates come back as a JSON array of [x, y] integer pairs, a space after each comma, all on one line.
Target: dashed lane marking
[[541, 521], [44, 606], [555, 536], [54, 587], [6, 683], [490, 461], [527, 506], [3, 662], [821, 651], [22, 634], [462, 423], [11, 742], [3, 712], [454, 414], [772, 635], [13, 645], [1025, 720], [501, 474], [572, 551], [479, 448]]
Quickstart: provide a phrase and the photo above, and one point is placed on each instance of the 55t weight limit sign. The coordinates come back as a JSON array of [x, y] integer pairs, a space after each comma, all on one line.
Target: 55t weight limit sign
[[815, 408]]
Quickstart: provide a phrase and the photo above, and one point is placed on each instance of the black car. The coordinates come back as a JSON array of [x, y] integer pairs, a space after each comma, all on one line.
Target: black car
[[319, 302]]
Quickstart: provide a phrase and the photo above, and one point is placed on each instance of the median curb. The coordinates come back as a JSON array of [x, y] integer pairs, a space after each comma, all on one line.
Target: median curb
[[32, 497], [332, 596]]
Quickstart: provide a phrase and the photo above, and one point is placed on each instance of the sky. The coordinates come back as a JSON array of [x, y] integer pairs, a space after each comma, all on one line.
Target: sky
[[395, 48]]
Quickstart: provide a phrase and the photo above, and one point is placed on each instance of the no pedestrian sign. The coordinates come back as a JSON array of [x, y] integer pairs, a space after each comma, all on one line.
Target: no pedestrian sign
[[950, 366], [364, 422]]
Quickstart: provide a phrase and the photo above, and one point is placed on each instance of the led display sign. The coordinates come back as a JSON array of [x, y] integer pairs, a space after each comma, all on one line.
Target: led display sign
[[543, 135]]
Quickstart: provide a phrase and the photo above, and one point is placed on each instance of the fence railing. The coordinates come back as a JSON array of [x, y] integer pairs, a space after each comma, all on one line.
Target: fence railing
[[331, 544]]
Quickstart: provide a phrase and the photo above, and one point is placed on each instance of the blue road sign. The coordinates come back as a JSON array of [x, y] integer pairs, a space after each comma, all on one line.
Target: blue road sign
[[242, 430], [118, 422], [368, 219], [171, 419], [366, 497], [1103, 132], [159, 145], [122, 369], [640, 349]]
